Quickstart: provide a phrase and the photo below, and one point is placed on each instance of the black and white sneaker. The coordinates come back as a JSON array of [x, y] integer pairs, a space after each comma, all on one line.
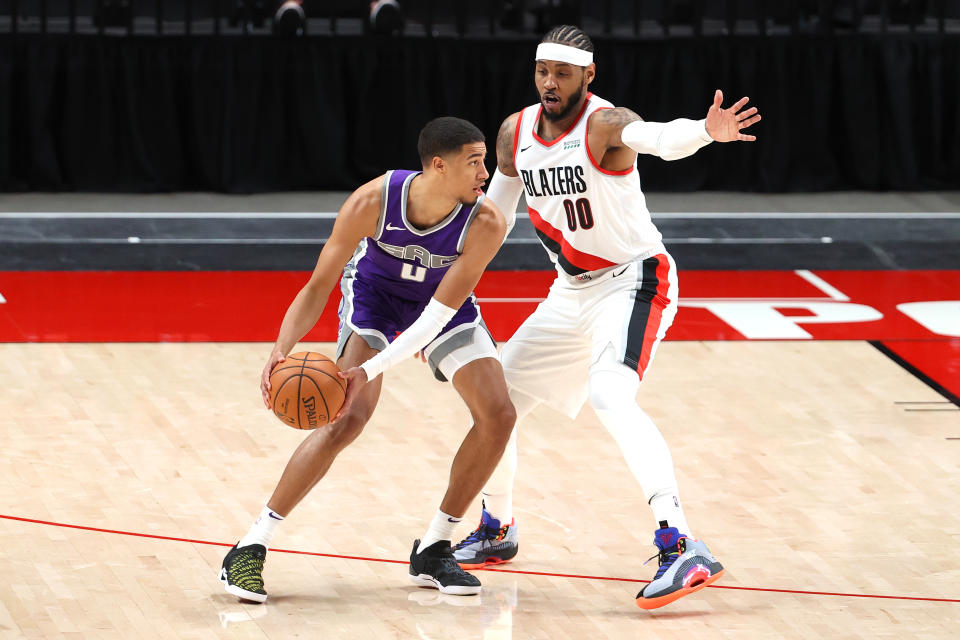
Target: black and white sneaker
[[438, 569], [242, 572]]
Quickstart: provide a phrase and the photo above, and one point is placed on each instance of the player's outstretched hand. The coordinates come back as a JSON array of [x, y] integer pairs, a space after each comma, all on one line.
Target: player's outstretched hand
[[275, 358], [356, 377], [725, 125]]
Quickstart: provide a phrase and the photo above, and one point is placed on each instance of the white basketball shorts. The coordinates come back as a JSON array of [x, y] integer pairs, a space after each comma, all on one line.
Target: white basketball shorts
[[627, 309]]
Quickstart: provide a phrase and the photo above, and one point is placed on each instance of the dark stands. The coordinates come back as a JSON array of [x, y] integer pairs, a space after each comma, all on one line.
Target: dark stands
[[164, 95]]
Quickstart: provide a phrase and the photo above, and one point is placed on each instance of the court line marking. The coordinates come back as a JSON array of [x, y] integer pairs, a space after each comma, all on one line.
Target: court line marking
[[915, 371], [322, 240], [498, 570], [833, 294], [534, 514], [173, 241], [725, 240], [823, 285], [146, 215], [674, 215], [683, 301], [811, 215]]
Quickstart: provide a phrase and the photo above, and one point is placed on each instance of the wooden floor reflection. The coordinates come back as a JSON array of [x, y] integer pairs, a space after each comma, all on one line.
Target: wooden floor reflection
[[797, 465]]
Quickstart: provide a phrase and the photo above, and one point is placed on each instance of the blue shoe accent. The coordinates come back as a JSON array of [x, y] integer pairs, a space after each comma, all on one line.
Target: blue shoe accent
[[488, 525], [490, 543], [667, 539]]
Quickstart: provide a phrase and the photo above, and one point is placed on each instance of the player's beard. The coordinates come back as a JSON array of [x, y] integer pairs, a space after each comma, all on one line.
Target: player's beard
[[567, 110]]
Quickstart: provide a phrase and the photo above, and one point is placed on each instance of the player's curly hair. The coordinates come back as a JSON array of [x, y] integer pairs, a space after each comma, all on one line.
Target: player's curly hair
[[569, 35]]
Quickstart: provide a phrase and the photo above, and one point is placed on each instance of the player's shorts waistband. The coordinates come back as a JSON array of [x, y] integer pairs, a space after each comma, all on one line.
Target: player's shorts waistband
[[591, 278]]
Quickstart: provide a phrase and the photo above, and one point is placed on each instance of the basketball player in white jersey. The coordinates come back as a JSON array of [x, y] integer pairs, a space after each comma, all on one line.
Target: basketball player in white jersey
[[574, 156]]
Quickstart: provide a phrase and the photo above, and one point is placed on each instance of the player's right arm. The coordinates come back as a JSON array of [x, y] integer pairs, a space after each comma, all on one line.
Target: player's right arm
[[616, 135], [356, 220], [505, 185]]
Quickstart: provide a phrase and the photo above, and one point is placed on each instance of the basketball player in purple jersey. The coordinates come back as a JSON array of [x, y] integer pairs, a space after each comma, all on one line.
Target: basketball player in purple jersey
[[411, 246], [574, 156]]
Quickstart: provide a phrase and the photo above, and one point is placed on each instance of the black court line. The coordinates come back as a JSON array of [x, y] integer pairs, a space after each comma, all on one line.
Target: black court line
[[917, 373]]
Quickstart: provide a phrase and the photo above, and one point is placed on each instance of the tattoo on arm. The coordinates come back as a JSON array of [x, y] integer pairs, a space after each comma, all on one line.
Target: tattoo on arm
[[505, 146], [617, 118], [612, 121]]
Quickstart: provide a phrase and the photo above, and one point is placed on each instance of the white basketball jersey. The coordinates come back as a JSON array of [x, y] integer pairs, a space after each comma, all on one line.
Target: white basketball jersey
[[587, 218]]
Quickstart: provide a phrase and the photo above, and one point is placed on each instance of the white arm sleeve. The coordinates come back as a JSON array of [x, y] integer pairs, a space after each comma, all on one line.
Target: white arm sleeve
[[669, 140], [505, 192], [434, 318]]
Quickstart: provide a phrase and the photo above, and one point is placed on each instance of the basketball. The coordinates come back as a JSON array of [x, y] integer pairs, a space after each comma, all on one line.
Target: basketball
[[305, 390]]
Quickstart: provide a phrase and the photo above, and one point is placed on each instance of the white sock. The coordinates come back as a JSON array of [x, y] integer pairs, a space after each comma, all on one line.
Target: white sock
[[500, 506], [666, 508], [262, 530], [613, 396], [498, 492], [441, 528]]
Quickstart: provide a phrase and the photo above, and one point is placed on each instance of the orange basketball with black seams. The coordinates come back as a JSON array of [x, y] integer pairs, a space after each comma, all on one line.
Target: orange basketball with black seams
[[305, 390]]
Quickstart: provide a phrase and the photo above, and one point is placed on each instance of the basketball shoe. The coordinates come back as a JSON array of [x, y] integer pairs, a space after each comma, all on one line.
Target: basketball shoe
[[436, 567], [686, 566], [490, 543], [242, 572]]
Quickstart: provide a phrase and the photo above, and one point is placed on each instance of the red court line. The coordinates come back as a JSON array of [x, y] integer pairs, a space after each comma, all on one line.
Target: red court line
[[216, 544], [499, 570]]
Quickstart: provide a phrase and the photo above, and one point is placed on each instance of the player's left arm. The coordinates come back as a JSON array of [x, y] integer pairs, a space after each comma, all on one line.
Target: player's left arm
[[616, 134], [480, 246]]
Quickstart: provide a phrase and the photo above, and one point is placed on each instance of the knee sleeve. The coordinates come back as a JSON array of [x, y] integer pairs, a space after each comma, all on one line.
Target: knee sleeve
[[613, 385], [613, 390], [613, 395]]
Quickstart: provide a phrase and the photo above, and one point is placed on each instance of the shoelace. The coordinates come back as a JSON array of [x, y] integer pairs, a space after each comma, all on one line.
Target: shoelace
[[667, 558], [482, 532], [449, 564]]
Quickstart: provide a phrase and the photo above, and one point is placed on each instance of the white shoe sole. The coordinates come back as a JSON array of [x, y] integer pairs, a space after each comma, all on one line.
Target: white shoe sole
[[424, 580], [240, 593]]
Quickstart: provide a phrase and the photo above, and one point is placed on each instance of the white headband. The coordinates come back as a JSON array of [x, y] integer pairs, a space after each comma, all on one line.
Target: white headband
[[563, 53]]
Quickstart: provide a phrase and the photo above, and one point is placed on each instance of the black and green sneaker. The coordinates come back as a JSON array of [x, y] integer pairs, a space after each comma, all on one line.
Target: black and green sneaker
[[242, 572]]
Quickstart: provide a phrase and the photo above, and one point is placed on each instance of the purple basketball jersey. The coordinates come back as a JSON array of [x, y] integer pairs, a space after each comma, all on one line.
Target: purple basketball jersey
[[401, 259], [393, 275]]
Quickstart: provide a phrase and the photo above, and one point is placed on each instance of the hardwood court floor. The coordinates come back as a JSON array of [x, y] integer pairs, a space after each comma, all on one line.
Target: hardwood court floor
[[797, 465]]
